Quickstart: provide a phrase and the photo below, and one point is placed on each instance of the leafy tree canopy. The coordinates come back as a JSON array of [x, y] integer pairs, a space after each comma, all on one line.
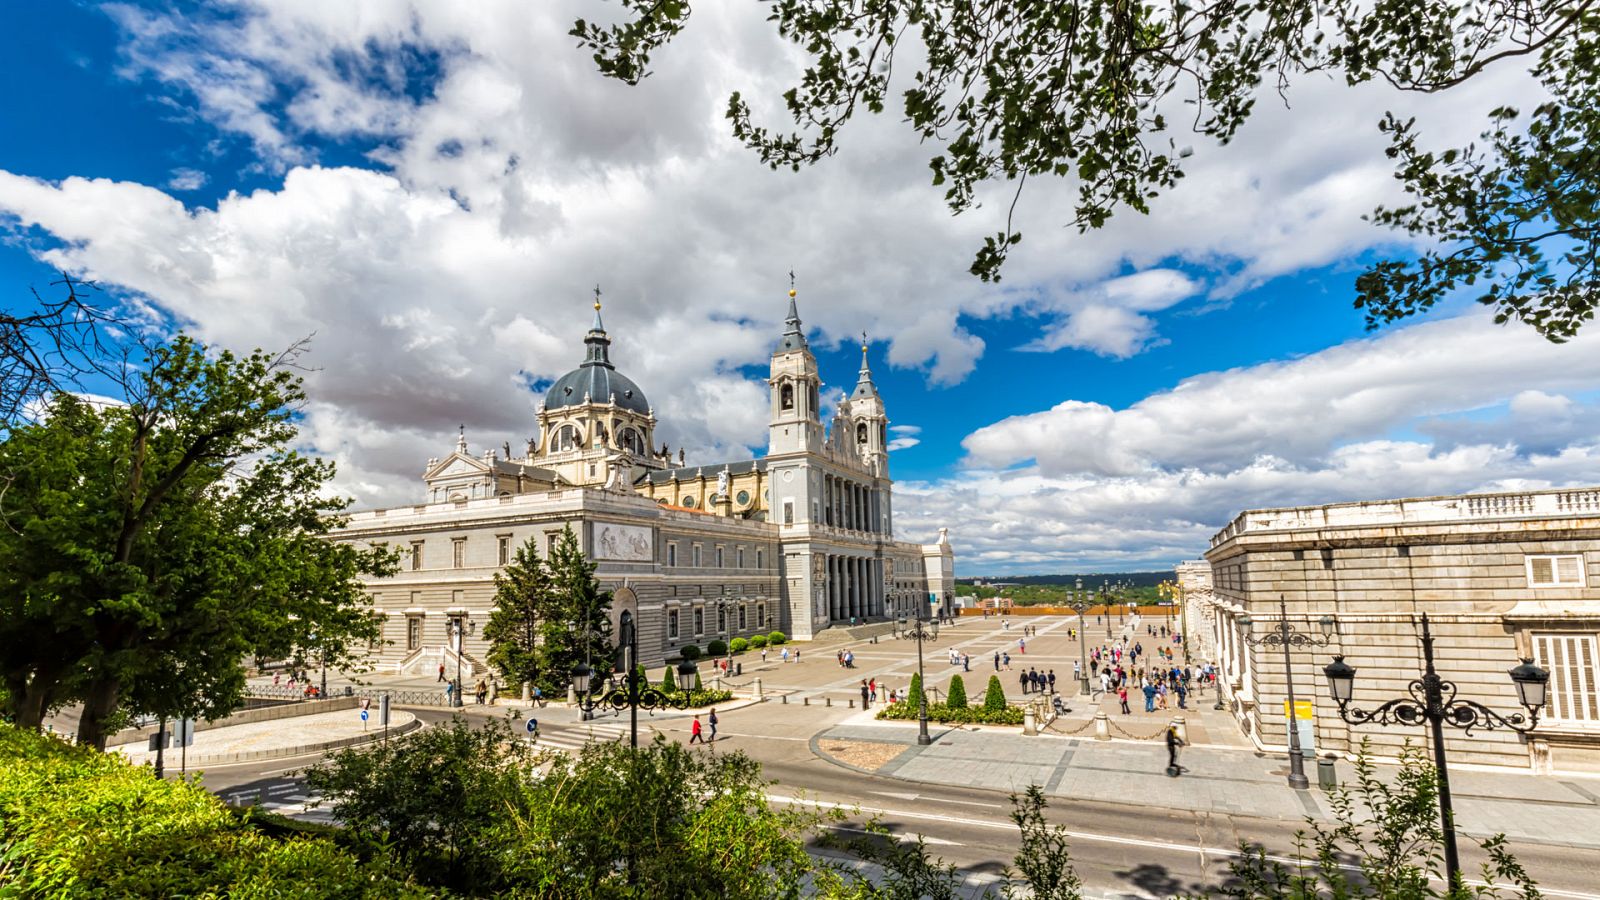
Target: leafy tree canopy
[[1094, 90]]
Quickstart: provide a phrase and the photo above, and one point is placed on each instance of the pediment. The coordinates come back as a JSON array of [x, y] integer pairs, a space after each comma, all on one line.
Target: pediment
[[457, 464]]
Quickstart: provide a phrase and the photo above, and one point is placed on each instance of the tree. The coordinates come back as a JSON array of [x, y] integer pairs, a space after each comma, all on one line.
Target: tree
[[1083, 89], [147, 549], [958, 693], [521, 591], [51, 347], [577, 627], [1043, 860], [994, 699]]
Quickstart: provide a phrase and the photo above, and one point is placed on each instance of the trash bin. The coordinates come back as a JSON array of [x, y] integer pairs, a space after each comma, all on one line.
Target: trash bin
[[349, 691], [738, 668], [1326, 778]]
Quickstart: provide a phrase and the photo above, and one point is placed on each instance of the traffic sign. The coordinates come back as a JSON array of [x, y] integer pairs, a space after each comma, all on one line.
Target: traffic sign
[[366, 703], [533, 725], [363, 715]]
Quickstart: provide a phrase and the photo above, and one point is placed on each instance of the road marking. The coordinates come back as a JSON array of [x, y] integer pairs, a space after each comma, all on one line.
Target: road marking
[[926, 839]]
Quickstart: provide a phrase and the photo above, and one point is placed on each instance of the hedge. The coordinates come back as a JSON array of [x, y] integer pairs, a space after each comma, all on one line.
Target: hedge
[[76, 822], [716, 648], [958, 693], [994, 699], [943, 713], [776, 638], [740, 645], [758, 641], [689, 652]]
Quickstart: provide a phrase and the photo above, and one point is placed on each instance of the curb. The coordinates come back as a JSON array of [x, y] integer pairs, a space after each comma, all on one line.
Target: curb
[[300, 750]]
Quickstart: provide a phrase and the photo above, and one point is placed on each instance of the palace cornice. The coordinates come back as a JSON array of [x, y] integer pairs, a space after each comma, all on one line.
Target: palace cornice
[[1358, 536]]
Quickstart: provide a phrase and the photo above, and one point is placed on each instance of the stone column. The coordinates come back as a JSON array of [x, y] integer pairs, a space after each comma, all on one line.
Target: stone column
[[833, 587]]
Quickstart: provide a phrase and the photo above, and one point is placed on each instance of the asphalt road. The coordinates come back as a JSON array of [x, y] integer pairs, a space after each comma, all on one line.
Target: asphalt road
[[1137, 849]]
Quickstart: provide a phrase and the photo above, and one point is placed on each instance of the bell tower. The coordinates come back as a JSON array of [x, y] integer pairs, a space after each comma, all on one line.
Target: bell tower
[[795, 424], [868, 421]]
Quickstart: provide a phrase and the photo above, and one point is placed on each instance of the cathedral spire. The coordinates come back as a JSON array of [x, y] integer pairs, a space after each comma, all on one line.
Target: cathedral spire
[[599, 353], [598, 325], [864, 385], [794, 337]]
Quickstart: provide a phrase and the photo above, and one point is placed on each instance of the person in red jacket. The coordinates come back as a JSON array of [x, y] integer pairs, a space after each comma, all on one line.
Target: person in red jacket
[[694, 732]]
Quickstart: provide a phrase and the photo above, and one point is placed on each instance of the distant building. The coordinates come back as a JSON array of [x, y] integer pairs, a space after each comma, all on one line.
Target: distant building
[[1501, 576]]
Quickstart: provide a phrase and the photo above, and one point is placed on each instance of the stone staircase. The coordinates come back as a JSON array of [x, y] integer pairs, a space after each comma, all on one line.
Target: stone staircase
[[426, 661]]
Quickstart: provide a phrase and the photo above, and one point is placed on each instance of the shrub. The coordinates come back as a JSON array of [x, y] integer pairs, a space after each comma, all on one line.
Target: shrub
[[958, 693], [916, 686], [703, 697], [669, 680], [81, 823], [944, 713], [994, 698], [689, 652], [716, 648], [740, 645], [757, 642], [776, 638]]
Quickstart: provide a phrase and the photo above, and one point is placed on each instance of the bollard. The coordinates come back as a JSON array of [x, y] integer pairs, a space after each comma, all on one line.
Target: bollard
[[572, 696], [827, 701], [759, 694], [1102, 727], [738, 668], [1327, 778], [785, 699], [805, 701], [1029, 726], [852, 702], [527, 692], [1183, 728]]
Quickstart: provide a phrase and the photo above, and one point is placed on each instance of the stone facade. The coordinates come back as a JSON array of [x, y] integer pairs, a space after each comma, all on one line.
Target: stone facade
[[695, 553], [1500, 576]]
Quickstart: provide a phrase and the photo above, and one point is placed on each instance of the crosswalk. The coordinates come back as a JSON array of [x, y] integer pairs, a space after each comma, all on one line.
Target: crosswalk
[[290, 799], [574, 737]]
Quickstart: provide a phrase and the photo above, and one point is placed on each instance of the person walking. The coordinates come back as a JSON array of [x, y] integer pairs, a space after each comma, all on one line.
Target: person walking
[[1149, 697], [1006, 658], [1024, 684], [997, 660], [1173, 743], [441, 674], [482, 691], [966, 663], [1122, 697], [872, 688], [1050, 679], [864, 693], [712, 721], [763, 654], [694, 731], [1183, 696]]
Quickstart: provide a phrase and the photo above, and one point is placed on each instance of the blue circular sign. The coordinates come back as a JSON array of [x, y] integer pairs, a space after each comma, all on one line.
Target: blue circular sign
[[363, 715], [533, 725]]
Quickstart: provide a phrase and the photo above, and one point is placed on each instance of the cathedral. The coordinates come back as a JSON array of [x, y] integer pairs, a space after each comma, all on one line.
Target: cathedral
[[798, 541]]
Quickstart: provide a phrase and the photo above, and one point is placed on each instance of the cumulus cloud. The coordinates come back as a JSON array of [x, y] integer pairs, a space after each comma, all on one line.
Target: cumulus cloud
[[904, 437], [186, 180], [1110, 318]]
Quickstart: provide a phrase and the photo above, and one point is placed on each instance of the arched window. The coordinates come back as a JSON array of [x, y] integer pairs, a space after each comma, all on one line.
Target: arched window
[[861, 432], [631, 440], [566, 437], [786, 396]]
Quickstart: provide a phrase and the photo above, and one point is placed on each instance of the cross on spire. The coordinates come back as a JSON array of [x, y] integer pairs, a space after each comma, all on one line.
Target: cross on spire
[[597, 298]]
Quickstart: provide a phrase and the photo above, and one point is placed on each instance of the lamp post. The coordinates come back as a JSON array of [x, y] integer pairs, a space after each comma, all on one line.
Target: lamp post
[[1433, 701], [1078, 604], [923, 629], [459, 631], [630, 694], [1285, 635]]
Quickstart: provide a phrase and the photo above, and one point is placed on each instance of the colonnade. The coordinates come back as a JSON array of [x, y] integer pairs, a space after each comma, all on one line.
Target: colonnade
[[852, 504], [855, 587]]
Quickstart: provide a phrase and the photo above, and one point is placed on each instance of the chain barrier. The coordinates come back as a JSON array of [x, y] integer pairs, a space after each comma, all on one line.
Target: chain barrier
[[1068, 732], [1136, 737]]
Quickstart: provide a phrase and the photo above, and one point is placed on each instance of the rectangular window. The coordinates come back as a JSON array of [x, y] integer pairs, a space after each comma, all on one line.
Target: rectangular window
[[699, 621], [761, 615], [788, 512], [722, 620], [413, 632], [550, 541], [1574, 668], [672, 554], [1555, 571], [695, 556], [719, 556], [758, 559], [741, 617], [672, 624], [739, 557], [416, 555], [458, 552], [504, 552]]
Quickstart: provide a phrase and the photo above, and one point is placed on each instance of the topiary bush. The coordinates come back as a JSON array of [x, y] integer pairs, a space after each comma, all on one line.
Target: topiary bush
[[757, 642], [958, 693], [776, 638], [916, 687], [994, 699], [689, 652], [740, 645], [716, 648], [944, 713]]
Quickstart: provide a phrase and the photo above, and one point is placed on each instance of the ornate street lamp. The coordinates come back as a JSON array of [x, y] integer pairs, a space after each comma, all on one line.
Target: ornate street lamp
[[1283, 634], [924, 629], [1432, 701], [630, 694], [1079, 603]]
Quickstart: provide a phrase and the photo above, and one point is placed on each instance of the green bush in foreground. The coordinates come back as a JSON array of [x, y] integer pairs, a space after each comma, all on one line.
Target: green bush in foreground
[[758, 641], [776, 638], [740, 645], [945, 713], [78, 823], [994, 699], [958, 693]]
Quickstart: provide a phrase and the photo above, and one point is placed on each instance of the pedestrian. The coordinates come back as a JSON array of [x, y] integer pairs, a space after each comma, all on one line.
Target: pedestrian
[[763, 654], [1173, 743], [441, 674], [1183, 696], [786, 654], [1024, 684], [966, 663], [797, 656], [1022, 647], [997, 660], [1050, 678], [1122, 696], [1006, 658], [712, 721], [1149, 697], [449, 693], [694, 731], [482, 691], [865, 693], [1077, 671], [840, 655], [872, 687]]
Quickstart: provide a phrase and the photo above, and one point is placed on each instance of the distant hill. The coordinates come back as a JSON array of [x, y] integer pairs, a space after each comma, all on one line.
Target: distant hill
[[1090, 579]]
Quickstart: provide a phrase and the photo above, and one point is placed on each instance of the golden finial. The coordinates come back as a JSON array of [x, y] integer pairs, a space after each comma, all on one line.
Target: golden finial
[[863, 342], [791, 284], [597, 298]]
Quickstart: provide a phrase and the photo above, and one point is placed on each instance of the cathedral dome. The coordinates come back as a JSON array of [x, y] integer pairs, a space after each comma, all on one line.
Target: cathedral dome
[[596, 381]]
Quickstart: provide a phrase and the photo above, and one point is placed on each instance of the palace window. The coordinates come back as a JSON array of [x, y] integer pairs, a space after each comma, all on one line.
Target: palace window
[[566, 438], [739, 557], [741, 617], [1555, 571], [550, 541], [672, 624], [758, 558], [699, 620], [503, 553], [861, 433], [761, 615], [694, 556], [788, 512], [722, 619], [719, 556], [631, 440], [672, 553], [416, 555], [413, 632], [458, 552], [1574, 665]]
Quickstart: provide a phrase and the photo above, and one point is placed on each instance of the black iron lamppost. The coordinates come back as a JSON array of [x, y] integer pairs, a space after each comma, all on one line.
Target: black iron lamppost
[[459, 630], [929, 630], [1078, 603], [630, 694], [1283, 634], [1433, 701]]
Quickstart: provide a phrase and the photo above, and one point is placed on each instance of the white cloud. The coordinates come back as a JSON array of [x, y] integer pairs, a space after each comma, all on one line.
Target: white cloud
[[1109, 318], [905, 437], [185, 179]]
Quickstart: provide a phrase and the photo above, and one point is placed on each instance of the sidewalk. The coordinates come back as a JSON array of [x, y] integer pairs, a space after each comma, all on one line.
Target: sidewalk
[[276, 738], [1536, 809]]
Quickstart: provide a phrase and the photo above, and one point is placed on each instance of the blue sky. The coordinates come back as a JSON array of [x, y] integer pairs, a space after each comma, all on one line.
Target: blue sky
[[433, 189]]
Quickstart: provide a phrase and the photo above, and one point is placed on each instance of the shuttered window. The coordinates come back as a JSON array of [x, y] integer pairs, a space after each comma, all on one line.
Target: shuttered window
[[1574, 668], [1555, 571]]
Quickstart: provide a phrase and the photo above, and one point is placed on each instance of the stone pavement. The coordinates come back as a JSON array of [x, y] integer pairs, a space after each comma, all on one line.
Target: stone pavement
[[1216, 779], [276, 738]]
